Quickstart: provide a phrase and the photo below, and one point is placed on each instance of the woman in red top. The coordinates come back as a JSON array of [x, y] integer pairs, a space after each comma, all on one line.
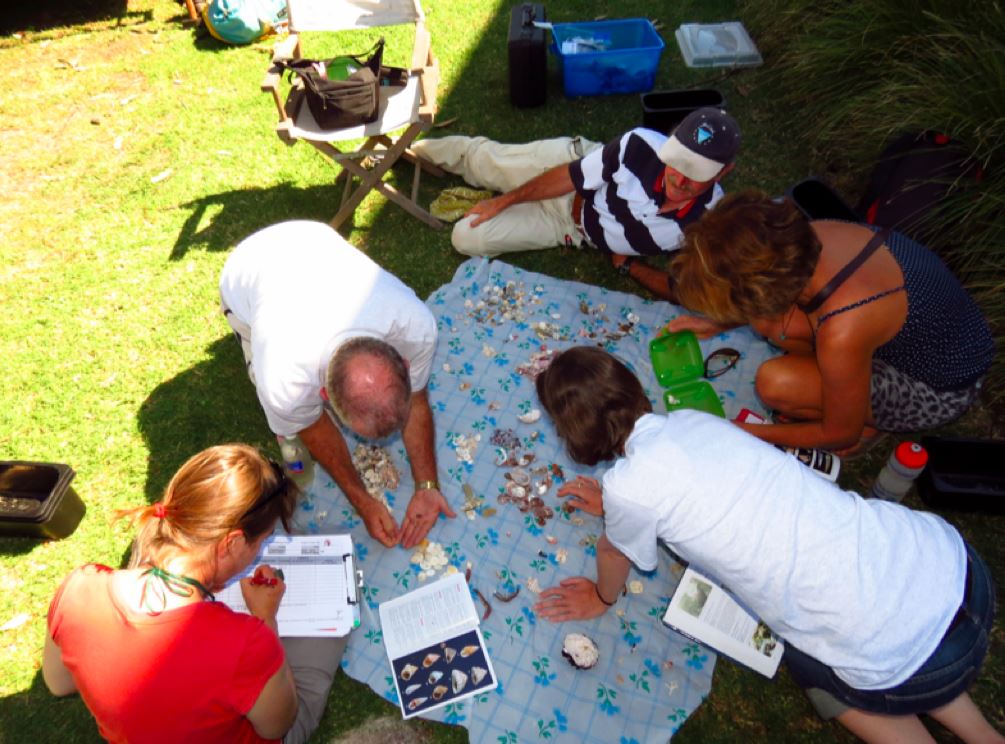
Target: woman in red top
[[152, 655]]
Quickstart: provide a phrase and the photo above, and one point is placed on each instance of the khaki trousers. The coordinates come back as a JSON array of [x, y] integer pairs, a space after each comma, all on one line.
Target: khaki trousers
[[486, 164]]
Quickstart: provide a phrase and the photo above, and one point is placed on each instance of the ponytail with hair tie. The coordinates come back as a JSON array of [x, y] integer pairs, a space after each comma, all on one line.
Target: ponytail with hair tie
[[160, 511]]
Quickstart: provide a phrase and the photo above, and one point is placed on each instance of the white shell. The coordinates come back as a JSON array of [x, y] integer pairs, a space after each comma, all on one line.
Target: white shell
[[478, 674], [457, 680], [531, 416], [581, 651], [520, 476]]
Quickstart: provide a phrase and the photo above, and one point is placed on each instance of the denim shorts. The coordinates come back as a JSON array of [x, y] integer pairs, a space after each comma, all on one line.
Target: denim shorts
[[944, 676]]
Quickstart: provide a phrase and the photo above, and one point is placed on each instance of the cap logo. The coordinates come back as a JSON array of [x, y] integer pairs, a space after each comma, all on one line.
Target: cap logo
[[703, 133]]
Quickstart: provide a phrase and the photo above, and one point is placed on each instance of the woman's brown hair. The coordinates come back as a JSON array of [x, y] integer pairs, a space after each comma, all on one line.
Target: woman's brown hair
[[594, 401], [223, 488], [748, 257]]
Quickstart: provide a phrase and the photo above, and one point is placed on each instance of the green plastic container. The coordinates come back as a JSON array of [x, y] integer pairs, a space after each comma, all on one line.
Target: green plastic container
[[679, 367]]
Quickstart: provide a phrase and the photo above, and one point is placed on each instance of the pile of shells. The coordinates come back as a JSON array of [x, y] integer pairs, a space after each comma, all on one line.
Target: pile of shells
[[508, 303], [473, 503], [525, 493], [376, 470], [539, 361], [622, 329], [548, 331], [465, 446], [430, 557]]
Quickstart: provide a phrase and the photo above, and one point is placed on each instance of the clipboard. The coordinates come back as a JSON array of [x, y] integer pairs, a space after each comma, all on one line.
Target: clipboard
[[322, 584]]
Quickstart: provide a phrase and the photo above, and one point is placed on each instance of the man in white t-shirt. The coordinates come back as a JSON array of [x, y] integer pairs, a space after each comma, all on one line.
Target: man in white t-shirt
[[321, 325], [888, 608]]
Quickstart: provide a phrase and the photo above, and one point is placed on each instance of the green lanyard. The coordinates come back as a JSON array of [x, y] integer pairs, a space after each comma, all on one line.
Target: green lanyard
[[181, 586]]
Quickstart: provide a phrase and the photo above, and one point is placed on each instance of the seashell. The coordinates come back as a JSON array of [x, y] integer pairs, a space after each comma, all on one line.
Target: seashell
[[503, 596], [516, 491], [457, 680], [439, 691], [434, 677], [520, 476], [477, 675], [449, 654], [412, 688], [430, 660], [413, 704], [531, 416], [468, 651], [580, 651], [636, 587], [408, 671], [534, 585], [502, 456]]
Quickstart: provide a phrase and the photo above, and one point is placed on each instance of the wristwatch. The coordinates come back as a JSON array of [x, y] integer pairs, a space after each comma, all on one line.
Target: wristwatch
[[625, 269]]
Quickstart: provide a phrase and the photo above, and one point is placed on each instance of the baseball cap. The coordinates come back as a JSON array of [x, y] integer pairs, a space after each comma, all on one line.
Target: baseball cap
[[704, 143]]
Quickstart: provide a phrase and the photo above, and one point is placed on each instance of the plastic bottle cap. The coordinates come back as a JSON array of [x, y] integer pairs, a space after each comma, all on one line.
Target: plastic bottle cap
[[911, 455]]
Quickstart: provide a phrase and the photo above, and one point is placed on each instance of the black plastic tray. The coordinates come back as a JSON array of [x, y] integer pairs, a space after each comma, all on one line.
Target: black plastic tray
[[36, 499], [965, 474]]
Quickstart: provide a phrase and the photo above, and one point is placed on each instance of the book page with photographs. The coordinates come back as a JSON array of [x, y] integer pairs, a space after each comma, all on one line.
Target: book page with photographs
[[704, 611], [436, 649], [320, 577]]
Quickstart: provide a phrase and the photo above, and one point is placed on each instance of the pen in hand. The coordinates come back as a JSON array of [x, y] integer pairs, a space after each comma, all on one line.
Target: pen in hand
[[259, 579]]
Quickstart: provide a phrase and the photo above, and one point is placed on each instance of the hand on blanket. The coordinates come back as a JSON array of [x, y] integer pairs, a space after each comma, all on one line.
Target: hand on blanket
[[423, 510], [585, 494], [573, 599], [379, 522], [702, 327]]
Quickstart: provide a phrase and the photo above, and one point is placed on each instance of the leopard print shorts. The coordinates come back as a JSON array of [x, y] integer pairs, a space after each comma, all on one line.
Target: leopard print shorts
[[901, 403]]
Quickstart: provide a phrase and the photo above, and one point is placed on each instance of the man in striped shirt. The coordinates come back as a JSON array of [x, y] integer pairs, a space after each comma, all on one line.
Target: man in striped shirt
[[631, 197]]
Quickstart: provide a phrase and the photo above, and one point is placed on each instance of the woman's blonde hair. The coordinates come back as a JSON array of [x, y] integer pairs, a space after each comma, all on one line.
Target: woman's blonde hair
[[223, 488], [748, 257]]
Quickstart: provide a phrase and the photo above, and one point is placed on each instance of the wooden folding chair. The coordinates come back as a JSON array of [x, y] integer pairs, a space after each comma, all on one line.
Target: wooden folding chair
[[410, 108]]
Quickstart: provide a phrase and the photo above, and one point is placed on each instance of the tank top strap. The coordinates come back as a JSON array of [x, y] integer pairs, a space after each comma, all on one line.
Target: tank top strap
[[814, 303]]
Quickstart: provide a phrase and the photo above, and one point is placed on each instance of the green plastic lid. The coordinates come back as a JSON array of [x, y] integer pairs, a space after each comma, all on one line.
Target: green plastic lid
[[676, 358], [697, 394]]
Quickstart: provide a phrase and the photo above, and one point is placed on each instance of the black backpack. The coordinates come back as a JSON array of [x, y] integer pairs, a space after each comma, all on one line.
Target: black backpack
[[914, 175]]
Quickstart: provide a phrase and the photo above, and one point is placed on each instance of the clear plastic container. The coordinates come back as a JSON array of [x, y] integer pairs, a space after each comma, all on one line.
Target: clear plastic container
[[717, 45], [297, 461]]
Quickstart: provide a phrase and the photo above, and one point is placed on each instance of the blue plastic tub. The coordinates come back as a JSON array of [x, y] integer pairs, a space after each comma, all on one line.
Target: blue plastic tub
[[605, 57]]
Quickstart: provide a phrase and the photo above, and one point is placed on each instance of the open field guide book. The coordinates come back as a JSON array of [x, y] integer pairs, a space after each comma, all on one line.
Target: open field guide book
[[704, 611], [436, 648]]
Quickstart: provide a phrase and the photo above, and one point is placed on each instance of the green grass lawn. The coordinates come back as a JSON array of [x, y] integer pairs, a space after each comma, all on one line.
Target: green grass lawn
[[135, 153]]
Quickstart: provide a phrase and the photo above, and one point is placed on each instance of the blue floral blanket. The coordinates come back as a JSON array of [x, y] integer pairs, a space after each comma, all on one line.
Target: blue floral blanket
[[497, 325]]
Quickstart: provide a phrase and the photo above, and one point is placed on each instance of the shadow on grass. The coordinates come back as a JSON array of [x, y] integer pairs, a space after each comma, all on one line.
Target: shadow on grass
[[36, 715], [55, 13], [219, 221], [210, 403]]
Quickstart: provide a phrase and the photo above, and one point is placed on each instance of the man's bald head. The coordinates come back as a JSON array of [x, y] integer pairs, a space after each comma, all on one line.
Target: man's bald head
[[369, 387]]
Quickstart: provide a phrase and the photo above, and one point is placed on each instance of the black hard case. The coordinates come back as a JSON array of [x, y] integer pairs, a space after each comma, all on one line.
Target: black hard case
[[528, 56]]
